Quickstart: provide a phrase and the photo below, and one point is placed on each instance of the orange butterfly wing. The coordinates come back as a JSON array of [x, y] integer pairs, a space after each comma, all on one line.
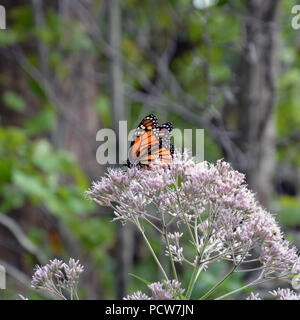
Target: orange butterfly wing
[[151, 142]]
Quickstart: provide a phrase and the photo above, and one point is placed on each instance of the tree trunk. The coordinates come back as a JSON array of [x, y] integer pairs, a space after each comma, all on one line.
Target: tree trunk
[[124, 233], [254, 88]]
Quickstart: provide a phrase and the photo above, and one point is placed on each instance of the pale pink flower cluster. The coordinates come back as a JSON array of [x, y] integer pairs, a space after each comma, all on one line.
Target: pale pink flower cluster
[[285, 294], [43, 276], [175, 247], [254, 296], [166, 290], [57, 276], [279, 294], [213, 201]]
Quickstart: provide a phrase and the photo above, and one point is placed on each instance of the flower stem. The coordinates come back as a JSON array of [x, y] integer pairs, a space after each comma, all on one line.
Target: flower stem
[[193, 280], [152, 251], [236, 265], [242, 288], [207, 294]]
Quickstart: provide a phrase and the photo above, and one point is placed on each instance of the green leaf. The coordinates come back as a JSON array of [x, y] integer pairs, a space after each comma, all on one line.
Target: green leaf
[[9, 37], [139, 278], [44, 157], [14, 101], [30, 184], [289, 214], [9, 202], [102, 105], [42, 122], [5, 169], [11, 141]]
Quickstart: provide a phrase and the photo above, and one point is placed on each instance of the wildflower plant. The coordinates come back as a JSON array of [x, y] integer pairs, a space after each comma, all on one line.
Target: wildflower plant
[[208, 204], [165, 290], [58, 278], [279, 294]]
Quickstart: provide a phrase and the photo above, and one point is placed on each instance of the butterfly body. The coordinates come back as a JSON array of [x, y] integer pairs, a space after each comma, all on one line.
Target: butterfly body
[[151, 142]]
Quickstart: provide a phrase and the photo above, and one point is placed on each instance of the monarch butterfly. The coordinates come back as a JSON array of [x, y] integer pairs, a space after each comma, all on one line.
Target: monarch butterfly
[[151, 141]]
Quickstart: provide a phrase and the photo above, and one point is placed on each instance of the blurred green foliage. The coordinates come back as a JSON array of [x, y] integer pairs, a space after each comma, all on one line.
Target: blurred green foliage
[[33, 173], [289, 215]]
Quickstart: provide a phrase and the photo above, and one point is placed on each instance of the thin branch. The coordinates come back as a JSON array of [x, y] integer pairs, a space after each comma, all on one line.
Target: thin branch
[[16, 273], [20, 236]]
